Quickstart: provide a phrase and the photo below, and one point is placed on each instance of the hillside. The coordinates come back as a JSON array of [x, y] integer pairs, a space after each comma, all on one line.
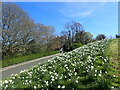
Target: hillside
[[85, 67]]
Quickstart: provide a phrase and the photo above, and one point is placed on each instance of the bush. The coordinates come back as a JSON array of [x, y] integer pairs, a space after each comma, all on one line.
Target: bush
[[68, 48], [76, 45]]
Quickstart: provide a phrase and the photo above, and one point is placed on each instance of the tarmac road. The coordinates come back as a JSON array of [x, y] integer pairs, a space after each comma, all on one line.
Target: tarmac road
[[14, 69]]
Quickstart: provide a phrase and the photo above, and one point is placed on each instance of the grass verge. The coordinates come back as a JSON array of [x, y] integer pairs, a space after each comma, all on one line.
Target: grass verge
[[113, 52], [16, 60]]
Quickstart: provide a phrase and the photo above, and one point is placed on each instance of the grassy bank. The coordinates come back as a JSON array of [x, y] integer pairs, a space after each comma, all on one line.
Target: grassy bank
[[86, 67], [20, 59], [113, 52]]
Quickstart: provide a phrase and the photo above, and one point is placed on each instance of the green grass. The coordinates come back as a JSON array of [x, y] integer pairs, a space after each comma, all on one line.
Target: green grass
[[113, 51], [16, 60]]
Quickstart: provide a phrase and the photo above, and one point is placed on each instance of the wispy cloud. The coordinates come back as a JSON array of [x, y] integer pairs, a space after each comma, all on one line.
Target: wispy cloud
[[81, 14], [85, 13], [75, 14], [79, 9]]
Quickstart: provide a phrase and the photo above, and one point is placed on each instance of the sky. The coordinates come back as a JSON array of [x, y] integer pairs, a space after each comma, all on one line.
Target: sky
[[95, 17]]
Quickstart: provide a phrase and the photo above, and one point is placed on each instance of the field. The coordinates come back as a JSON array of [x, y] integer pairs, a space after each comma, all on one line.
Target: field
[[20, 59], [87, 67]]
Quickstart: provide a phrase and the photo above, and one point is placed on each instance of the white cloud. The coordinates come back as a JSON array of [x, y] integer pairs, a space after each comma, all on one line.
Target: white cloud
[[81, 9], [82, 14]]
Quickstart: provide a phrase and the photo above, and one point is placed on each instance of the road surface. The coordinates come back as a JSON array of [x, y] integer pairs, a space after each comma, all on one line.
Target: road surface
[[14, 69]]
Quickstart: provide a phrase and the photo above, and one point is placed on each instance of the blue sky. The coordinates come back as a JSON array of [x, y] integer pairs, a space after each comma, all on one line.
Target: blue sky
[[96, 17]]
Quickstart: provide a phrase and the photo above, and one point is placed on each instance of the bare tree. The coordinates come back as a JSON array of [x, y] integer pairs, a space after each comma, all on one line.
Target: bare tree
[[63, 37], [75, 34], [44, 35], [75, 31], [79, 32], [16, 28]]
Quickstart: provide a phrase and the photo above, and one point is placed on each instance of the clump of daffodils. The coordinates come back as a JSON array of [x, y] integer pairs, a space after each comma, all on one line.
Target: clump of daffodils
[[70, 70]]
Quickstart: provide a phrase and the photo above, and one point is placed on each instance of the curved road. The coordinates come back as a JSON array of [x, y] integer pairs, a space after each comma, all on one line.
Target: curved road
[[14, 69]]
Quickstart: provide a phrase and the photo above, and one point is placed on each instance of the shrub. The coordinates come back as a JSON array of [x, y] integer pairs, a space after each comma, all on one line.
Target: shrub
[[76, 45], [68, 48]]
